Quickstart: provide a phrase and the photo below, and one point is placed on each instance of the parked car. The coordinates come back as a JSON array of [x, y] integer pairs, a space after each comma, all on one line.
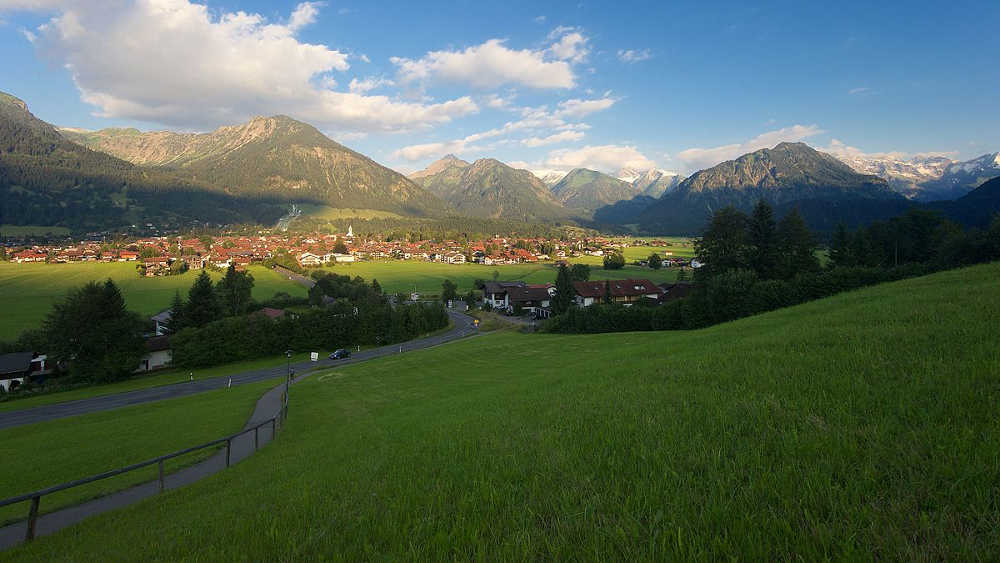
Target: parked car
[[341, 354]]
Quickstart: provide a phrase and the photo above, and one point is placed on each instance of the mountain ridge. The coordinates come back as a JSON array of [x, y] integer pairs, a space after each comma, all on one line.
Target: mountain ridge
[[275, 156]]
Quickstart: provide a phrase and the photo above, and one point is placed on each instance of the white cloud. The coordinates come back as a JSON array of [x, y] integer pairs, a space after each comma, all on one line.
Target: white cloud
[[304, 14], [699, 158], [539, 19], [582, 108], [364, 58], [606, 158], [196, 68], [488, 65], [549, 127], [368, 84], [856, 91], [571, 135], [572, 46], [634, 56]]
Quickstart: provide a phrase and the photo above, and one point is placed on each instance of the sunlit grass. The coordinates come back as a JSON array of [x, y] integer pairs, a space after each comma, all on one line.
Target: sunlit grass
[[862, 426]]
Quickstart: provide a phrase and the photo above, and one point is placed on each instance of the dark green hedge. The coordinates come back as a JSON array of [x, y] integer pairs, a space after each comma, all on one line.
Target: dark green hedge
[[242, 338]]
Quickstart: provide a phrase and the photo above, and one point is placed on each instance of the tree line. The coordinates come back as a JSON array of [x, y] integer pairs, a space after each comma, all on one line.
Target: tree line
[[752, 264]]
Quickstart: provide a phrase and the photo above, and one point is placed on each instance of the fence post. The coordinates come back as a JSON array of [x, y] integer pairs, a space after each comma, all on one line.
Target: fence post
[[32, 519], [229, 449], [162, 482], [256, 437], [274, 428]]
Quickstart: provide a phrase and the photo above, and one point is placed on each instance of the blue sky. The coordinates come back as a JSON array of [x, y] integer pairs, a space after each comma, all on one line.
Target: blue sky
[[603, 85]]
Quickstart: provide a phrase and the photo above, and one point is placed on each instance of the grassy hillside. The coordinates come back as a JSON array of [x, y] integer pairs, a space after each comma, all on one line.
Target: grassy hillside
[[48, 453], [27, 291], [856, 427]]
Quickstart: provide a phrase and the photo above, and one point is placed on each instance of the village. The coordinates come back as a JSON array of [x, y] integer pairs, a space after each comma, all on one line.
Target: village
[[166, 255]]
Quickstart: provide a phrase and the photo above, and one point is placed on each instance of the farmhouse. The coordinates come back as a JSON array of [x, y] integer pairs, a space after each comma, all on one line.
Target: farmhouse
[[534, 299], [626, 292], [157, 354], [496, 294]]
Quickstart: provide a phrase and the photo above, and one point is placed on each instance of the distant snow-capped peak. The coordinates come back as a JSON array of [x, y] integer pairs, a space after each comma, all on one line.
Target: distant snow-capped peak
[[549, 177]]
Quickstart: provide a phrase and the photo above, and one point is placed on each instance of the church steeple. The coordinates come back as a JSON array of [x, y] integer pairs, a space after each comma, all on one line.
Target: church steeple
[[350, 231]]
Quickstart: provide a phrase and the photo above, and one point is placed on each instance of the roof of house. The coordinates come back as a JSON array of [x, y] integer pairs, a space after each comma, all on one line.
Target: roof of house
[[162, 316], [677, 290], [17, 363], [158, 343], [501, 287], [271, 312], [619, 288], [536, 293]]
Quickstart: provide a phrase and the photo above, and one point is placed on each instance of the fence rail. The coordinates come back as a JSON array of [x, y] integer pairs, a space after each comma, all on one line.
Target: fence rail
[[36, 496]]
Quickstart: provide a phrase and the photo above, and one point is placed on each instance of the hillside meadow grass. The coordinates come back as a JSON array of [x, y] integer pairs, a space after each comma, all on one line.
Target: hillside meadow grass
[[49, 453], [27, 291], [862, 426]]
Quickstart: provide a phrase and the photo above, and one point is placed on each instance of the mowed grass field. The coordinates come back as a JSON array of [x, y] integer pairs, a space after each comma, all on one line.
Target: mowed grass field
[[27, 291], [426, 277], [48, 453], [863, 426]]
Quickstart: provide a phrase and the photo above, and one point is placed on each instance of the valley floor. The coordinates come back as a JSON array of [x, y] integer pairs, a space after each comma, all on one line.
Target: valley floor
[[860, 426]]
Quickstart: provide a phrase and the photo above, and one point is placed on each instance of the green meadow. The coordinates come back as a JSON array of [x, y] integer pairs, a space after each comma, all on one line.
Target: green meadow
[[426, 277], [863, 426], [48, 453], [27, 291]]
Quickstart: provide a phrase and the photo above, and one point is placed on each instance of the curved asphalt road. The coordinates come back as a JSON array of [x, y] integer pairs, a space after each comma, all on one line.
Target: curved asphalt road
[[463, 326]]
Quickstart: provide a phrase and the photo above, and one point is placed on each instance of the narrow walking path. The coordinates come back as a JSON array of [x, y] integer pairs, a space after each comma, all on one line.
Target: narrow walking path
[[462, 327], [242, 447]]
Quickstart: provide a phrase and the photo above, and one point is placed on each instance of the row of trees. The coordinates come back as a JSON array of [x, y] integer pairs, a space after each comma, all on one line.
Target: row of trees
[[341, 324], [772, 250], [753, 264], [207, 302]]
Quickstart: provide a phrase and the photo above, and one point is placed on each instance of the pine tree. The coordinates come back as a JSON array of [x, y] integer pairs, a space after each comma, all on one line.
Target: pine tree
[[724, 245], [176, 322], [203, 304], [376, 287], [796, 247], [563, 298], [762, 239], [654, 261], [840, 247], [607, 293]]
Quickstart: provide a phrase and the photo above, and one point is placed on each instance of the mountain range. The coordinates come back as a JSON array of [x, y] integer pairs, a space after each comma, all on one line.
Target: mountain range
[[45, 179], [490, 188], [927, 177], [787, 173], [253, 171], [276, 157]]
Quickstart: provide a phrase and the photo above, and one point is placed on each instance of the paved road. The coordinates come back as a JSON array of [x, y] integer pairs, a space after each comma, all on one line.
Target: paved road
[[242, 447], [463, 326]]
